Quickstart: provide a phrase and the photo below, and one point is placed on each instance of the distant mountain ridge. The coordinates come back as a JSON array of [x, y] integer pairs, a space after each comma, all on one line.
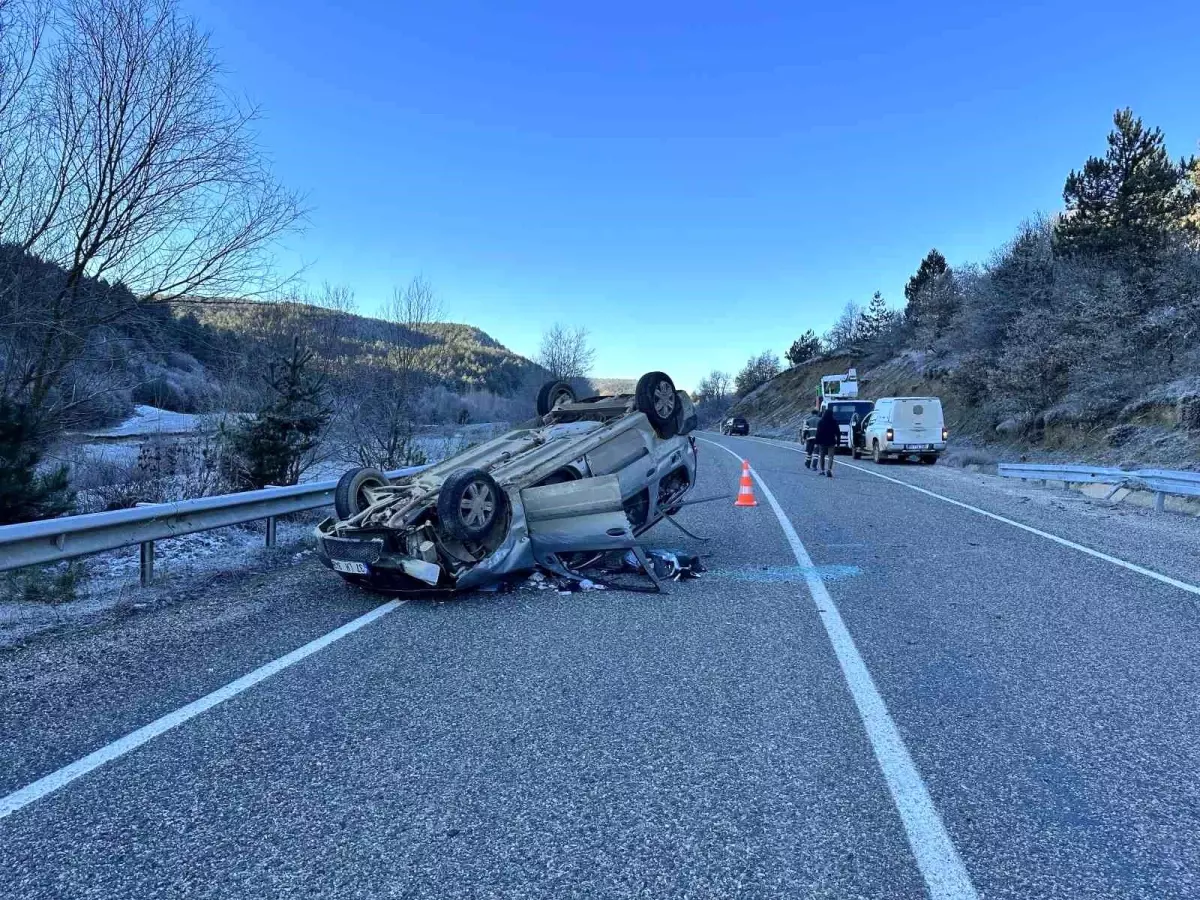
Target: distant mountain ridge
[[461, 357]]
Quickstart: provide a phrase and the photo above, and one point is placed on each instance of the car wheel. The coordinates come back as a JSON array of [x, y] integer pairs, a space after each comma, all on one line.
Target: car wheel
[[655, 396], [349, 497], [876, 454], [469, 504], [553, 395]]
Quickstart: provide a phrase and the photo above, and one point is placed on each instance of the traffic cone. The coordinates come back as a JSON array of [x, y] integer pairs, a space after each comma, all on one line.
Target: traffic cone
[[745, 495]]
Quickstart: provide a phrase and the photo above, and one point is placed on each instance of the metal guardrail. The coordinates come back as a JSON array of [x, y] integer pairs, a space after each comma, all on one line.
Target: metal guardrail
[[54, 540], [1160, 481]]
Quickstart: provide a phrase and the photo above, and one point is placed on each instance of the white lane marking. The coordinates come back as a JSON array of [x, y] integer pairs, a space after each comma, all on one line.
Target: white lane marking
[[942, 868], [1116, 561], [106, 754]]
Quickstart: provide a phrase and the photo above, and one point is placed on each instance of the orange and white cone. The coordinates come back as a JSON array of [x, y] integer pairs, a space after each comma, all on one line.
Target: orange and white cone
[[745, 495]]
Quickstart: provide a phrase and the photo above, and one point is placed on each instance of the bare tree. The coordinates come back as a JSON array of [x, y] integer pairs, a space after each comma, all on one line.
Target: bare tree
[[565, 352], [380, 416], [126, 165], [714, 387], [847, 329], [335, 297], [23, 24]]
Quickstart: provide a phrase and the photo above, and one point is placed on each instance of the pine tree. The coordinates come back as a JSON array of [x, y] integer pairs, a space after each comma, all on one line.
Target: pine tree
[[26, 493], [1127, 202], [804, 348], [1189, 200], [932, 265], [878, 319], [758, 370], [271, 448], [933, 297]]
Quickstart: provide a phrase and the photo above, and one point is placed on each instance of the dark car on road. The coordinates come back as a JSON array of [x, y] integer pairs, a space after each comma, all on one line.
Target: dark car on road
[[735, 425]]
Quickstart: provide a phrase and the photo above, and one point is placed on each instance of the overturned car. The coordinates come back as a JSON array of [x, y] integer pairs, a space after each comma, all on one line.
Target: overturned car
[[589, 475]]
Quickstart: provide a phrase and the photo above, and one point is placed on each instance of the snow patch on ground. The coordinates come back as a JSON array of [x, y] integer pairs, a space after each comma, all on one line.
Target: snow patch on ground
[[148, 420]]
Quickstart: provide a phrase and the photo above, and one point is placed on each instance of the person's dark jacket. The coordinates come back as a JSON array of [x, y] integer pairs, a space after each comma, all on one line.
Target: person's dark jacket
[[808, 431], [827, 429]]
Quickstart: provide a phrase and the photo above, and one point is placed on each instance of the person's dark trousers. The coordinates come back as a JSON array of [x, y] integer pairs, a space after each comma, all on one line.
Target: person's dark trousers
[[826, 454], [810, 453]]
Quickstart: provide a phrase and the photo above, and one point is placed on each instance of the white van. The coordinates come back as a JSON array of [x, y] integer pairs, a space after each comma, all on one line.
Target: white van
[[900, 427]]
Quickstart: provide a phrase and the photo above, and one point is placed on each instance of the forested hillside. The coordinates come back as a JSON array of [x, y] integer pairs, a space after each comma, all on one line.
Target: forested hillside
[[1081, 333]]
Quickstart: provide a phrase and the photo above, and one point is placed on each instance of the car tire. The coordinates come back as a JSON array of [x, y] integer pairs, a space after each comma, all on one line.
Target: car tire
[[876, 454], [348, 497], [552, 395], [470, 504], [655, 397]]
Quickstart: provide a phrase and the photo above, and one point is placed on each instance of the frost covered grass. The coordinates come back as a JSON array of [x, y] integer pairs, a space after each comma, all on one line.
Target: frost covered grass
[[150, 420], [47, 597]]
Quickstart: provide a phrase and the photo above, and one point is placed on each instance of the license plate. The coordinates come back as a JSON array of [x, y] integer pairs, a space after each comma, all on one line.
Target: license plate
[[350, 568]]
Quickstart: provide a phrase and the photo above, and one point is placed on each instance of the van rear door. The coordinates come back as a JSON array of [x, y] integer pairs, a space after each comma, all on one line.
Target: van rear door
[[917, 423]]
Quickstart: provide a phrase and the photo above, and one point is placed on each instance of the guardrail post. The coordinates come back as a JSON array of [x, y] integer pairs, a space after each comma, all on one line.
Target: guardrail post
[[1159, 501], [147, 562], [270, 531]]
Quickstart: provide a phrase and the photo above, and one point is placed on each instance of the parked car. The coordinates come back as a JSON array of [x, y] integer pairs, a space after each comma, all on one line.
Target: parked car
[[587, 475], [903, 427], [844, 411], [735, 425]]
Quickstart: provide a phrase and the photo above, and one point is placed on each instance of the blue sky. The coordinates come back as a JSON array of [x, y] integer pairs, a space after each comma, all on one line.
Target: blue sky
[[694, 182]]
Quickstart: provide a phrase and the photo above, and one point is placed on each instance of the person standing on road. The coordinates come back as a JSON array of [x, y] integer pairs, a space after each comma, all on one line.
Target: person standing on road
[[827, 441], [809, 436]]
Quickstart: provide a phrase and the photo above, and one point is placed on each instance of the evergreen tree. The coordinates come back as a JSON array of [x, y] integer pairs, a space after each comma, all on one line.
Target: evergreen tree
[[932, 265], [878, 318], [1189, 200], [804, 348], [272, 447], [1127, 202], [758, 370], [25, 493], [933, 298]]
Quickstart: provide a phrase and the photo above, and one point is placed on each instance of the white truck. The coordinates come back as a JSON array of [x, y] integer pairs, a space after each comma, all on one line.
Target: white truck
[[838, 387], [901, 427], [840, 393]]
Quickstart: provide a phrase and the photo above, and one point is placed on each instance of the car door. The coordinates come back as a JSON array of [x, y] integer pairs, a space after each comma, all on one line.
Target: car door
[[867, 427], [878, 429]]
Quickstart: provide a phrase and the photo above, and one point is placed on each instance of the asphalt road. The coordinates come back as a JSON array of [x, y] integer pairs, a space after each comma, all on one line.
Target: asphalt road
[[903, 697]]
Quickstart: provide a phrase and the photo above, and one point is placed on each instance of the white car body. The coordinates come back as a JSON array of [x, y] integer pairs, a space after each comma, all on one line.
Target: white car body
[[905, 426]]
